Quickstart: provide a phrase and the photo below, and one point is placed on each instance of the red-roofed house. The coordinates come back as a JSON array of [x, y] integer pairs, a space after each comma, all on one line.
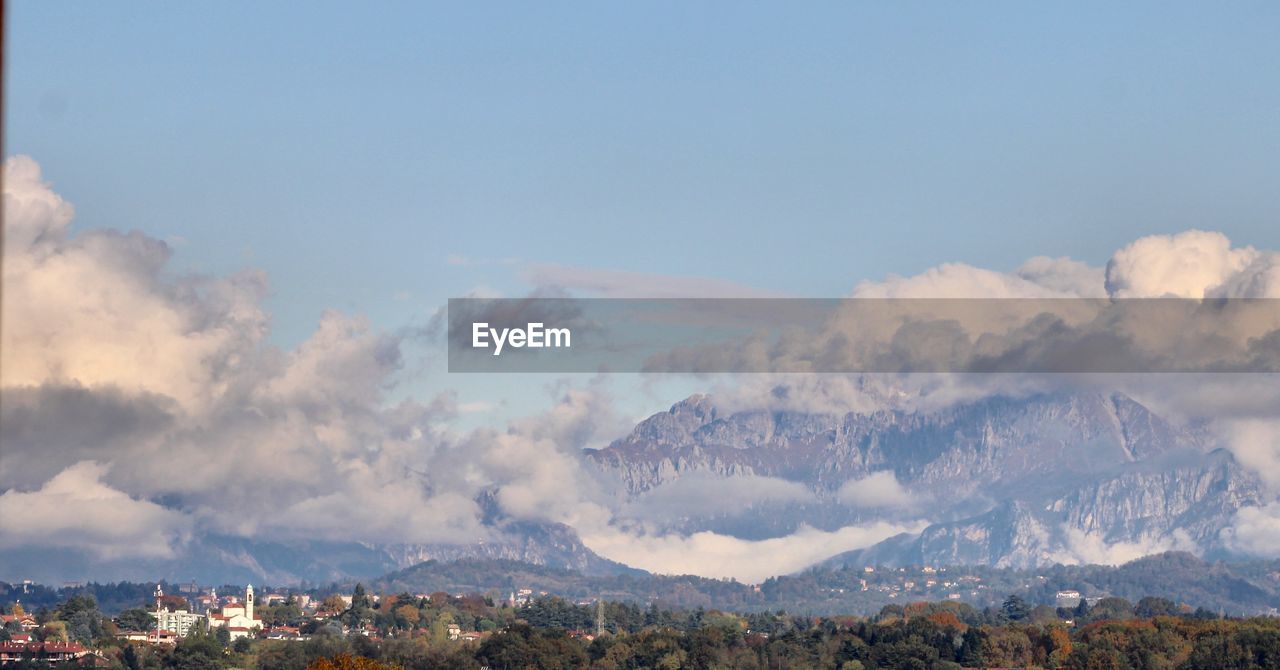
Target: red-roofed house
[[27, 621], [46, 652]]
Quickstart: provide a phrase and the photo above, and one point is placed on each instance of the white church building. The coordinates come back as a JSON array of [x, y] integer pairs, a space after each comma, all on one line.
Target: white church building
[[238, 619]]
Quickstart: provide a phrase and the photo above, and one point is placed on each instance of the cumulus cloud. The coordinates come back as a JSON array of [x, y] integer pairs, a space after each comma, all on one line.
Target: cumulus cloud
[[1049, 316], [1080, 547], [715, 555], [93, 308], [76, 510], [140, 407], [1039, 278], [1255, 531], [33, 212], [878, 489], [1190, 264], [110, 357], [1256, 444]]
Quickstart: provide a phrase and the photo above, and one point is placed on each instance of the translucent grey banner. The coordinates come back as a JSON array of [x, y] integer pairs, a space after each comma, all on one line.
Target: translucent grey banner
[[863, 335]]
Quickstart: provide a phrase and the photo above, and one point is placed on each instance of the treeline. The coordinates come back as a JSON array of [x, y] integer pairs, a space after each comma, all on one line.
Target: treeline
[[76, 619], [415, 633], [915, 637], [110, 597], [1230, 588], [499, 577]]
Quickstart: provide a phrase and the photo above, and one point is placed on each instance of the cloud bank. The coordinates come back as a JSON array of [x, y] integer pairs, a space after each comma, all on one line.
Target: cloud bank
[[76, 510], [142, 408], [713, 555]]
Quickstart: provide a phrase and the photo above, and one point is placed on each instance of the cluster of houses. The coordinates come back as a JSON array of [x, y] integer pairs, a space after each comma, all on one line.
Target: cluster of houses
[[925, 581], [931, 582], [51, 653], [236, 616], [21, 646]]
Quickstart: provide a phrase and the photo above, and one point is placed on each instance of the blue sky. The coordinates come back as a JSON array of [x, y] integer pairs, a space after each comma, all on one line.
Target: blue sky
[[351, 152]]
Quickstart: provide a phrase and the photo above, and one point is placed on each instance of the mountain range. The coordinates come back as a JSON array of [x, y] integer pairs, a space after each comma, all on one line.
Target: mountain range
[[1010, 482]]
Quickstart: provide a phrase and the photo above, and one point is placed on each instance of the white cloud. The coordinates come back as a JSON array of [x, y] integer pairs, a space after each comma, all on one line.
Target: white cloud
[[76, 510], [172, 380], [1186, 265], [1255, 531], [34, 214], [878, 489], [1038, 278], [1256, 444], [1191, 264], [94, 309], [240, 436], [1091, 548], [713, 555]]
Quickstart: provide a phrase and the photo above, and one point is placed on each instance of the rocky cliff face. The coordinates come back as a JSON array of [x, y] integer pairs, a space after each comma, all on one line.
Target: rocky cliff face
[[551, 545], [996, 442], [1009, 481]]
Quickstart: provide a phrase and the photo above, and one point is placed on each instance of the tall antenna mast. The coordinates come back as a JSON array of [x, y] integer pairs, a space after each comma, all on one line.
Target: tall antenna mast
[[599, 617], [159, 595]]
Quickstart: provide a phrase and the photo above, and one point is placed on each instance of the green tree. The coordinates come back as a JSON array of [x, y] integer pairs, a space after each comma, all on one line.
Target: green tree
[[136, 619], [1153, 607], [1015, 608], [1111, 608], [507, 650], [197, 651]]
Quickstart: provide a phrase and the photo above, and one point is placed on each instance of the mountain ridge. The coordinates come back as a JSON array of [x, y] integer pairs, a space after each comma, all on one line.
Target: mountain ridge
[[1052, 477]]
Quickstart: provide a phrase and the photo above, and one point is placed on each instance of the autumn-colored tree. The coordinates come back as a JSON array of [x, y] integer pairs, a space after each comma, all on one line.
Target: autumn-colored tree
[[1005, 646], [174, 602], [948, 620], [406, 616], [1058, 642], [53, 631], [349, 662], [916, 608]]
